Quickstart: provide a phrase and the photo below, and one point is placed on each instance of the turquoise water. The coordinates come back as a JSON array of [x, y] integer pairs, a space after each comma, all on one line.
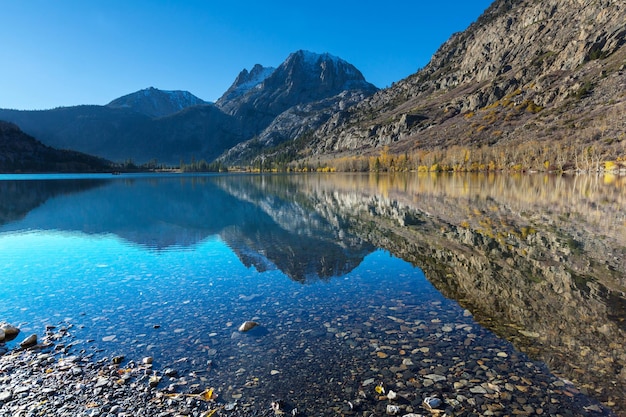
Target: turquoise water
[[171, 266]]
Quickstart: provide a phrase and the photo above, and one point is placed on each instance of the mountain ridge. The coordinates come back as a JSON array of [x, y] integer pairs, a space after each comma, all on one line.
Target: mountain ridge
[[171, 127], [20, 152]]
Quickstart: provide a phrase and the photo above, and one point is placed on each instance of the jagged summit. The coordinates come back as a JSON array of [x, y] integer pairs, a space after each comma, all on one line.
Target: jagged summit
[[245, 81], [157, 103], [304, 77], [332, 72]]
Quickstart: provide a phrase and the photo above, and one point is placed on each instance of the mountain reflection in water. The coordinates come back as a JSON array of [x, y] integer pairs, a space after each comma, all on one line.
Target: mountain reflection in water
[[540, 260]]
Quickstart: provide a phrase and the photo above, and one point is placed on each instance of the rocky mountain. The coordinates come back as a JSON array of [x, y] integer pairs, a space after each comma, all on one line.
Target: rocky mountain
[[20, 152], [266, 104], [157, 103], [304, 77], [245, 81], [526, 74]]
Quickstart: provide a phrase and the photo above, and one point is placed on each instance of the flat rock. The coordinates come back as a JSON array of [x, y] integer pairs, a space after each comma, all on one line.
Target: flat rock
[[436, 378], [5, 395]]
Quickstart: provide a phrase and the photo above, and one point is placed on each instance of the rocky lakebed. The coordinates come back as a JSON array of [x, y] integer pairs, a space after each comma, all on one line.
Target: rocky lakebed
[[56, 374]]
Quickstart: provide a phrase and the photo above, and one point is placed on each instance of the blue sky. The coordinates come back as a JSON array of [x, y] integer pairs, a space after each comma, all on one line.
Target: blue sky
[[70, 52]]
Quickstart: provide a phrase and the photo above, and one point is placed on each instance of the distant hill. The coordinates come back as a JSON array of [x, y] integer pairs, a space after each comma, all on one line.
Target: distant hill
[[20, 152], [157, 103]]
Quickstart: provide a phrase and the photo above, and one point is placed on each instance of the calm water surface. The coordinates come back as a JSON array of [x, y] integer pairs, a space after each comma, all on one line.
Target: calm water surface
[[520, 272]]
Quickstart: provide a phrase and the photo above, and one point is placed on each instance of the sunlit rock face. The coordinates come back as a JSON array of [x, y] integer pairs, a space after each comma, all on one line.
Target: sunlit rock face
[[548, 53]]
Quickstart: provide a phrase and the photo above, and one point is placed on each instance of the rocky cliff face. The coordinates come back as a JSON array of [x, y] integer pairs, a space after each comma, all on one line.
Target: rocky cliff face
[[521, 67], [245, 81], [304, 77]]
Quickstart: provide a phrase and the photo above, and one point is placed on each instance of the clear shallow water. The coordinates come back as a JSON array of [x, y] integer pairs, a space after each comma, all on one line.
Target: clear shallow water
[[170, 266]]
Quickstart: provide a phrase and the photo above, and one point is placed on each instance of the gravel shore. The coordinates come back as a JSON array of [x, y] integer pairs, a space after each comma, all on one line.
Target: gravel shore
[[55, 378], [48, 380]]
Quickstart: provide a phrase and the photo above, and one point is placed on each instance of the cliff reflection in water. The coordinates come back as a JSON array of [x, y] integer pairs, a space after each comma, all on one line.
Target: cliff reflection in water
[[541, 260]]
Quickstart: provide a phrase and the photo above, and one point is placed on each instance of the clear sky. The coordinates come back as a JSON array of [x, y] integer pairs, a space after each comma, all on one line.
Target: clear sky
[[70, 52]]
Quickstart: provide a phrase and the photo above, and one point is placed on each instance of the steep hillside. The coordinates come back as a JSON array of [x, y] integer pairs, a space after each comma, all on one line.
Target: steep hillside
[[22, 153], [526, 75], [153, 102]]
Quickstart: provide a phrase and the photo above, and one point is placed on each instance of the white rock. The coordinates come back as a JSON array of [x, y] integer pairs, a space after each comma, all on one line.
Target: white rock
[[248, 325], [154, 381], [5, 396], [392, 409]]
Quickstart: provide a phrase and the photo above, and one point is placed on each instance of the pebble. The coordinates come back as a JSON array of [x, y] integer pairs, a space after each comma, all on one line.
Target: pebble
[[248, 325], [29, 341], [5, 396], [9, 330]]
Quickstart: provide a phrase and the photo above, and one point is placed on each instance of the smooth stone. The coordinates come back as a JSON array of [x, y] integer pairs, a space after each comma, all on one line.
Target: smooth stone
[[392, 409], [29, 341], [248, 325], [154, 381], [436, 378], [101, 382], [2, 335], [147, 360], [5, 396], [478, 390], [9, 330]]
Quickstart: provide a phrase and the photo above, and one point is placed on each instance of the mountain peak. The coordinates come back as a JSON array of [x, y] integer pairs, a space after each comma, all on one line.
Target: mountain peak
[[245, 81], [321, 62], [157, 103]]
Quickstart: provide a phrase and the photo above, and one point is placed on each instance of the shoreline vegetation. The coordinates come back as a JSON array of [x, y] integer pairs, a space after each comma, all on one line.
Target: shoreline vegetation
[[533, 158]]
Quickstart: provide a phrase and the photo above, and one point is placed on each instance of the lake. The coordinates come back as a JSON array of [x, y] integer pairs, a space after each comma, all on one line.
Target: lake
[[498, 294]]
